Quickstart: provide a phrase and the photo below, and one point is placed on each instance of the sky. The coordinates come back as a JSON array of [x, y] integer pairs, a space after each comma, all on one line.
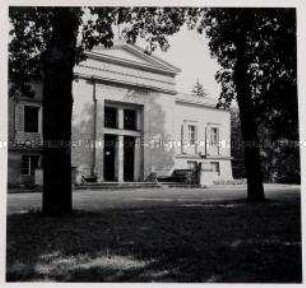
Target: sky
[[189, 51]]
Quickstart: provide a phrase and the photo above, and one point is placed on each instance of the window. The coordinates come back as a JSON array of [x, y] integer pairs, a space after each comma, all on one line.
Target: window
[[192, 164], [129, 119], [214, 136], [110, 117], [215, 167], [192, 134], [28, 164], [31, 118]]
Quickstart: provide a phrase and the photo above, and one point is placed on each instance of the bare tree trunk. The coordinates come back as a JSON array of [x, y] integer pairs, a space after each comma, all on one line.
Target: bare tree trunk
[[247, 119], [58, 61]]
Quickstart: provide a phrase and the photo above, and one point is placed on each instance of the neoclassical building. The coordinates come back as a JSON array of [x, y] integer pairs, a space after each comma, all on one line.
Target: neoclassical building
[[128, 121]]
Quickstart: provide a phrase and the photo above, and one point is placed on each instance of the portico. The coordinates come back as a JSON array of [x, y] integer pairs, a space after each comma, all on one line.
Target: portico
[[122, 131], [114, 95]]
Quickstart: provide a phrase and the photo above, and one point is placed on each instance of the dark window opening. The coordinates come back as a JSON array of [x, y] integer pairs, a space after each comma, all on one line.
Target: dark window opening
[[31, 119], [192, 134], [215, 166], [192, 164], [29, 164], [110, 117], [130, 119]]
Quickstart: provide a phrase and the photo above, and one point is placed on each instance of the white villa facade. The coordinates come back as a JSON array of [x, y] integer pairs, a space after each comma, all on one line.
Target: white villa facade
[[128, 121]]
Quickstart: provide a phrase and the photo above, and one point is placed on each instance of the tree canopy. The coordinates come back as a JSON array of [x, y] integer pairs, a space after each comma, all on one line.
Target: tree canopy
[[32, 29], [271, 61]]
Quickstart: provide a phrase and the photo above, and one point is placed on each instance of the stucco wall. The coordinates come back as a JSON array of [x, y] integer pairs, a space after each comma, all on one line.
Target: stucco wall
[[226, 170], [16, 120], [20, 142], [204, 117], [161, 120], [15, 177], [14, 169], [161, 127], [82, 125]]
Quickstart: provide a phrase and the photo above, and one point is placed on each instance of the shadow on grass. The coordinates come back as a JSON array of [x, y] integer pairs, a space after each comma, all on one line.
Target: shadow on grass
[[226, 241]]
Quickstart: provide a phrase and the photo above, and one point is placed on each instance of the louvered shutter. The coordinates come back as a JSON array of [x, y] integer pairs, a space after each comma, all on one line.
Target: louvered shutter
[[184, 138], [196, 139], [19, 117], [207, 139]]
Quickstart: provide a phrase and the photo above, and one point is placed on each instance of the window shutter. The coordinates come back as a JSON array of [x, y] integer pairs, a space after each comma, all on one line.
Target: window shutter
[[197, 139], [184, 138], [207, 140], [218, 137], [19, 117]]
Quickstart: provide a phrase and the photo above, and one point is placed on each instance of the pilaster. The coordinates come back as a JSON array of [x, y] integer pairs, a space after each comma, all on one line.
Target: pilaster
[[120, 158], [99, 167]]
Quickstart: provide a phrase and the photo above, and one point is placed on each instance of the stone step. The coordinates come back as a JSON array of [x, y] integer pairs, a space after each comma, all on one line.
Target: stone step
[[129, 185], [115, 185], [178, 184]]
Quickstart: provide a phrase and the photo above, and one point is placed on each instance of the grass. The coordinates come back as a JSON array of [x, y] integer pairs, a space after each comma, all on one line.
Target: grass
[[229, 241]]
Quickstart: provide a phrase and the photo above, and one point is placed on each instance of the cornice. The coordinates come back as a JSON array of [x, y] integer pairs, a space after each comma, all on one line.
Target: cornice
[[129, 63], [198, 103], [125, 74], [107, 80], [196, 156]]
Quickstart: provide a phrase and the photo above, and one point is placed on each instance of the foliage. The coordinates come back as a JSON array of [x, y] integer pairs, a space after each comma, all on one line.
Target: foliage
[[280, 157], [32, 28], [271, 49], [198, 89], [270, 63], [237, 152], [30, 32]]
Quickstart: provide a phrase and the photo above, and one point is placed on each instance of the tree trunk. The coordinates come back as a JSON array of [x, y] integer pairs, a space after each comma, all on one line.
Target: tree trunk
[[247, 119], [58, 60]]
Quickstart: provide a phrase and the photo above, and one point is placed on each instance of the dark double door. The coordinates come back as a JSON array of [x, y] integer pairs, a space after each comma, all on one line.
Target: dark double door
[[111, 163], [110, 150]]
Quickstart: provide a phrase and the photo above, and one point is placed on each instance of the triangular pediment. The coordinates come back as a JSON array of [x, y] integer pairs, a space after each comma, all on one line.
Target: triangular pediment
[[131, 54]]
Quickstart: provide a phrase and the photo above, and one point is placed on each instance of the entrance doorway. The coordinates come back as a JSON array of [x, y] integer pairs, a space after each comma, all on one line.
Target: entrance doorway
[[110, 147], [129, 156]]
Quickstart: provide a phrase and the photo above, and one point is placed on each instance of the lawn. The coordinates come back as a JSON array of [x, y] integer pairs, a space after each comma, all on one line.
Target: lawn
[[222, 241]]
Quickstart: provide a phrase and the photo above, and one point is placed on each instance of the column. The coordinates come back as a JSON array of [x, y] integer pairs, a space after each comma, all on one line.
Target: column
[[145, 139], [120, 118], [120, 146], [99, 167], [120, 158]]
